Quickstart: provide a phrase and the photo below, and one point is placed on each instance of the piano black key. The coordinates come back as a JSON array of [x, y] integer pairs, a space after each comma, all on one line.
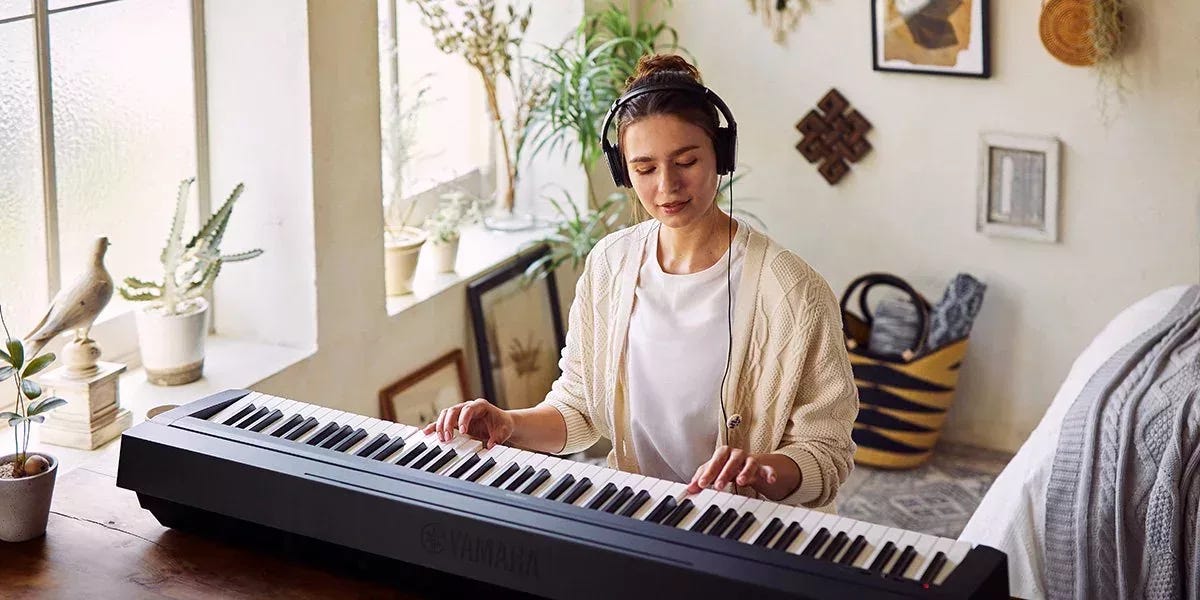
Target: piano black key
[[505, 475], [441, 461], [739, 528], [373, 445], [241, 414], [537, 481], [903, 562], [287, 426], [787, 537], [322, 433], [306, 426], [389, 449], [635, 504], [831, 551], [337, 436], [258, 414], [521, 478], [768, 532], [723, 523], [618, 500], [602, 496], [706, 519], [818, 540], [677, 515], [856, 548], [359, 435], [660, 512], [466, 465], [935, 566], [577, 490], [881, 559], [415, 452], [275, 415], [483, 469], [428, 456], [561, 487]]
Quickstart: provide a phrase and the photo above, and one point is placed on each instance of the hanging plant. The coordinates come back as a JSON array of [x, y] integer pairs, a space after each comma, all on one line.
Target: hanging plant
[[1088, 33]]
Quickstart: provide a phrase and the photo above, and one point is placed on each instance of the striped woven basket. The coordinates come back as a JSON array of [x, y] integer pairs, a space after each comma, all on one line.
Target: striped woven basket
[[903, 401]]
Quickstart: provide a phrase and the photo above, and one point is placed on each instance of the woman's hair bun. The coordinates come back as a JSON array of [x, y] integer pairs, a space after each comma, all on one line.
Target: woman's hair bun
[[653, 64]]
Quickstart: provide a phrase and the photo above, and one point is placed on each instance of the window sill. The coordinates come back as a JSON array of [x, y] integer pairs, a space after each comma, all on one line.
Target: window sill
[[225, 367], [479, 251]]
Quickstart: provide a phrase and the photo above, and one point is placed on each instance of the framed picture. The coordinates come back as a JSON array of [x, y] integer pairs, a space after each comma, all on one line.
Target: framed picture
[[419, 397], [942, 37], [518, 333], [1018, 186]]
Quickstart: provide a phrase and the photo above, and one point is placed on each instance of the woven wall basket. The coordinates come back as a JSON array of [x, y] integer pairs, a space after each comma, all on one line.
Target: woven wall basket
[[1065, 27]]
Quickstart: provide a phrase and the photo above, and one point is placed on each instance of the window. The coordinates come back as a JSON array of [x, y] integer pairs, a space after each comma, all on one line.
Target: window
[[433, 108], [98, 150]]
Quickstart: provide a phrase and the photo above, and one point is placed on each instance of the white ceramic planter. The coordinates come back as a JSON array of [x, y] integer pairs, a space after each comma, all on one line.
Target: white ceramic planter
[[172, 346], [444, 254], [401, 250], [25, 502]]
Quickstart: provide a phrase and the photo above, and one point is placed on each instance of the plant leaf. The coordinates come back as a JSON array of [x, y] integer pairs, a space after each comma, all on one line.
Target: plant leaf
[[5, 357], [46, 405], [16, 353], [31, 389], [37, 365], [14, 421], [37, 419], [6, 372], [9, 415]]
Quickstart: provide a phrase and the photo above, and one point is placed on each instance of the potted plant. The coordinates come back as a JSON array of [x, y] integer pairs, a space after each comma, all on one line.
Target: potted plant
[[444, 225], [26, 480], [173, 325], [401, 242]]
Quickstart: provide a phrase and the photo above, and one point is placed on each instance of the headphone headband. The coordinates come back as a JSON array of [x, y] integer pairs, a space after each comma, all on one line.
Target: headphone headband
[[725, 143]]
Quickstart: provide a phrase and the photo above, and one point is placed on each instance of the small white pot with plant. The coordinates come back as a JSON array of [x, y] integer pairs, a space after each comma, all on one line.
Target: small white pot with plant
[[26, 480], [401, 249], [173, 325], [455, 211]]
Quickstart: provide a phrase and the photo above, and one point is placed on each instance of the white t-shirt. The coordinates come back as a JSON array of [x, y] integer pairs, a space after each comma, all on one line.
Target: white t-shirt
[[675, 359]]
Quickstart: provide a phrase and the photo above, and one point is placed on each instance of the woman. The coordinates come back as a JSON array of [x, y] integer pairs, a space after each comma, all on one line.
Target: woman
[[648, 361]]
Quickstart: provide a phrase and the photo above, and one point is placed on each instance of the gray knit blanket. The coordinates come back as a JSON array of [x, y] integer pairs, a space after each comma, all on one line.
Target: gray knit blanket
[[1122, 498]]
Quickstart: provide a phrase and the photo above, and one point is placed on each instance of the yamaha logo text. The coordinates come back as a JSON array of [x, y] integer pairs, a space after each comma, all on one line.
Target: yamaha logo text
[[488, 552]]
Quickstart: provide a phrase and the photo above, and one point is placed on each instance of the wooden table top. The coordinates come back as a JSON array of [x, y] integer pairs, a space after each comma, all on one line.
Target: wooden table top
[[100, 543]]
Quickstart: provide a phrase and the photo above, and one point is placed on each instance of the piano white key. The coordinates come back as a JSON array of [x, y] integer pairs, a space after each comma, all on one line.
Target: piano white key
[[922, 546], [810, 522], [373, 430], [558, 468], [234, 408], [617, 478], [355, 422], [323, 417], [661, 489], [905, 539], [503, 459], [763, 514], [302, 410], [876, 538], [958, 551], [467, 448], [853, 530], [942, 545], [700, 503]]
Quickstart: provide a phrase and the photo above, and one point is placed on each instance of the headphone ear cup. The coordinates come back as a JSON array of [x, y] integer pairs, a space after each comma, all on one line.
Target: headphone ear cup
[[616, 167], [725, 150]]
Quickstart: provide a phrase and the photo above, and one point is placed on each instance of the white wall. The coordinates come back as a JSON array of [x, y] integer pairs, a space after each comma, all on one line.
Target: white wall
[[1129, 220]]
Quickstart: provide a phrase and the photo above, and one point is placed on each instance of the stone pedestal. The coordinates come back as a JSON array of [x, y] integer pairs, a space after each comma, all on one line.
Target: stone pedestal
[[92, 415]]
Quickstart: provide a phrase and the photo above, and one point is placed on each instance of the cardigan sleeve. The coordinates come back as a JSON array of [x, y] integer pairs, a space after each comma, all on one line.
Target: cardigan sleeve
[[567, 393], [818, 434]]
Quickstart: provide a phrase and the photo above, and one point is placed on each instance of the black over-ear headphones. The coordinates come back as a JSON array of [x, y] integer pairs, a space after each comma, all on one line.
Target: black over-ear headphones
[[725, 143]]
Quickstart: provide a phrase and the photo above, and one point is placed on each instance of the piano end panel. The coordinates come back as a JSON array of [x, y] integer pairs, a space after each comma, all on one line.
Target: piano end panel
[[982, 574]]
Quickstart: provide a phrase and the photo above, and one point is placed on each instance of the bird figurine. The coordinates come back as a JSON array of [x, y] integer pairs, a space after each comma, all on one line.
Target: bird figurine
[[75, 307]]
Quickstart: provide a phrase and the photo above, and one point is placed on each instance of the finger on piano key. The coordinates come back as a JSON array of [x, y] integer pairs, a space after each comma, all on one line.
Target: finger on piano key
[[958, 551], [937, 561], [922, 554], [236, 407]]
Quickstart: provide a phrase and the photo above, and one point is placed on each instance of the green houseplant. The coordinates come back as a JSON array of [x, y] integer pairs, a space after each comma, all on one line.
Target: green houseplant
[[444, 226], [26, 480], [172, 326]]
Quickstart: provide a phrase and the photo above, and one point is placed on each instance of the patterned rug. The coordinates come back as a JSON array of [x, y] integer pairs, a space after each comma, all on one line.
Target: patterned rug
[[937, 498]]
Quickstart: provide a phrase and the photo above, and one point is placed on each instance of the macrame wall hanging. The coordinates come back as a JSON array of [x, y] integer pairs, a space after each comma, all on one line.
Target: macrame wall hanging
[[780, 16]]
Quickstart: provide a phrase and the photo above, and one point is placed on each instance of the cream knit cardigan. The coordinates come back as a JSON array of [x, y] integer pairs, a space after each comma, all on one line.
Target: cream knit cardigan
[[790, 381]]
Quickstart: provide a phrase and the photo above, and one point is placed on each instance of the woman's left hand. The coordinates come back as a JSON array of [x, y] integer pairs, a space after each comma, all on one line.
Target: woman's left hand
[[733, 465]]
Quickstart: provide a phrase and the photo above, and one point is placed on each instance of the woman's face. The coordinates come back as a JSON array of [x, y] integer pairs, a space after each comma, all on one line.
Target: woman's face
[[673, 168]]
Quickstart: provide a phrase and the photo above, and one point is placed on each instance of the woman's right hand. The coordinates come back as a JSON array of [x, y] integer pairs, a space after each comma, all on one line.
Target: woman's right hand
[[478, 418]]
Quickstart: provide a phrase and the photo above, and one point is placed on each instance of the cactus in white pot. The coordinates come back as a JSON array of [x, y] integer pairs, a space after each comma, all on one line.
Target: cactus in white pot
[[172, 327]]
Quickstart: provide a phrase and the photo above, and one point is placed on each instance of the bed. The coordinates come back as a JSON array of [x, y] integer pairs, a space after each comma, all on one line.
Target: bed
[[1011, 517]]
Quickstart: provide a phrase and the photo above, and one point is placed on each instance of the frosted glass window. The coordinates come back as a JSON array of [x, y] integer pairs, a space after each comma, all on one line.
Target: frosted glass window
[[14, 8], [23, 284], [451, 133], [124, 126]]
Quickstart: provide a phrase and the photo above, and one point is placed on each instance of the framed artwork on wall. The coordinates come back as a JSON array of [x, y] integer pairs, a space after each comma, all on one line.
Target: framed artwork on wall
[[940, 37], [1018, 186], [518, 333], [417, 398]]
